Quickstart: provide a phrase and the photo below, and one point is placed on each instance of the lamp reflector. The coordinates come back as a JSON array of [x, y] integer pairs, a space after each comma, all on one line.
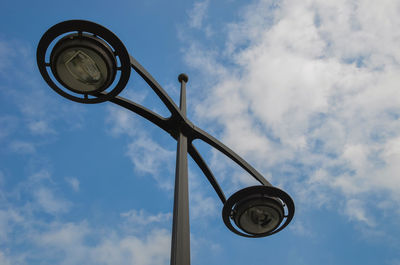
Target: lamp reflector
[[259, 217]]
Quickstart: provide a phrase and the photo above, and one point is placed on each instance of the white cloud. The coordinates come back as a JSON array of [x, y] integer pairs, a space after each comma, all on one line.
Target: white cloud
[[152, 250], [40, 127], [74, 183], [8, 219], [67, 243], [44, 193], [202, 206], [4, 260], [355, 210], [8, 125], [313, 96], [61, 235], [39, 177], [10, 51], [49, 202], [2, 179], [147, 156], [22, 147], [80, 242], [23, 87], [151, 158], [30, 236], [198, 13], [141, 217], [122, 122]]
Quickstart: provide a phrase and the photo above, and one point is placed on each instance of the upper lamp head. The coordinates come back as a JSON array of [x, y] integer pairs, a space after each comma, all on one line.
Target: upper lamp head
[[87, 62], [258, 211], [83, 63]]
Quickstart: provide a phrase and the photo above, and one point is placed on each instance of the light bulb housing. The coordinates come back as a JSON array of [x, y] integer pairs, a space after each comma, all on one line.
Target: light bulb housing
[[258, 211], [258, 214], [83, 63]]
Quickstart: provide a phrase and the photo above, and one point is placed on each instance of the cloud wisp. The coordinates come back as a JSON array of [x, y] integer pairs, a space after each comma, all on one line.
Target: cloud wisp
[[197, 14], [147, 156]]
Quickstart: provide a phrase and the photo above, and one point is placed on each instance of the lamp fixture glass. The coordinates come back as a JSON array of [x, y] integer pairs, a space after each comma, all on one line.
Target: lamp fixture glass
[[258, 211], [258, 215], [83, 63], [83, 68]]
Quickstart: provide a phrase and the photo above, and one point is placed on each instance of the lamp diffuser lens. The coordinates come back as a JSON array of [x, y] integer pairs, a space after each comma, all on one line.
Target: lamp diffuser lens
[[83, 63], [258, 211], [259, 219], [83, 68]]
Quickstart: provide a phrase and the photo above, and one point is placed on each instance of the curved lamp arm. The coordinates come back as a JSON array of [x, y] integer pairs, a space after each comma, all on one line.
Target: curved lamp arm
[[142, 111], [206, 171], [193, 132], [169, 103], [200, 134], [167, 125]]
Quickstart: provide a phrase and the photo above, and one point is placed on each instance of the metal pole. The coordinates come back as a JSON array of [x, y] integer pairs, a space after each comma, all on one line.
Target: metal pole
[[180, 243]]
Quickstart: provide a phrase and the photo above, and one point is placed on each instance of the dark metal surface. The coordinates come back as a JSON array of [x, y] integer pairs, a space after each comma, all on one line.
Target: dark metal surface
[[180, 243]]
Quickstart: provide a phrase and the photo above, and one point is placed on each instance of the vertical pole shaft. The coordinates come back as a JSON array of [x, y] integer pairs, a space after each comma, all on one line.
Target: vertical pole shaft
[[180, 243]]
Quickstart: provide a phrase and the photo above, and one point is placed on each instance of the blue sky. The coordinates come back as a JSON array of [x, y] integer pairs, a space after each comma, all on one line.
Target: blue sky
[[305, 91]]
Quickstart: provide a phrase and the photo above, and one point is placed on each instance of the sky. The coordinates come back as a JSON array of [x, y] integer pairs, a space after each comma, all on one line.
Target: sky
[[306, 91]]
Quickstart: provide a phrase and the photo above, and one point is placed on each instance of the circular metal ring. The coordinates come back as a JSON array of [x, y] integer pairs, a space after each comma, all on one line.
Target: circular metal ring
[[267, 191], [81, 26]]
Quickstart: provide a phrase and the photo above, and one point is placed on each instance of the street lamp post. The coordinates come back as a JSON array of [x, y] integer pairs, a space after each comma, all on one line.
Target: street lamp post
[[180, 243], [89, 64]]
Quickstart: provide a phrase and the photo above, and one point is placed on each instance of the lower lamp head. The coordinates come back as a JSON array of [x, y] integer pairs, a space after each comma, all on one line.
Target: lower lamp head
[[258, 215], [258, 211]]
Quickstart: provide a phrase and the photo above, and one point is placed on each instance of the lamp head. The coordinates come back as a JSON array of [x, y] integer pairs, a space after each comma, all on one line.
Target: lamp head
[[83, 63], [258, 211], [258, 215]]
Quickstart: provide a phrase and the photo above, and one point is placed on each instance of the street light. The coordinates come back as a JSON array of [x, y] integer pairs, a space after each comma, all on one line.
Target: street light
[[89, 64]]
